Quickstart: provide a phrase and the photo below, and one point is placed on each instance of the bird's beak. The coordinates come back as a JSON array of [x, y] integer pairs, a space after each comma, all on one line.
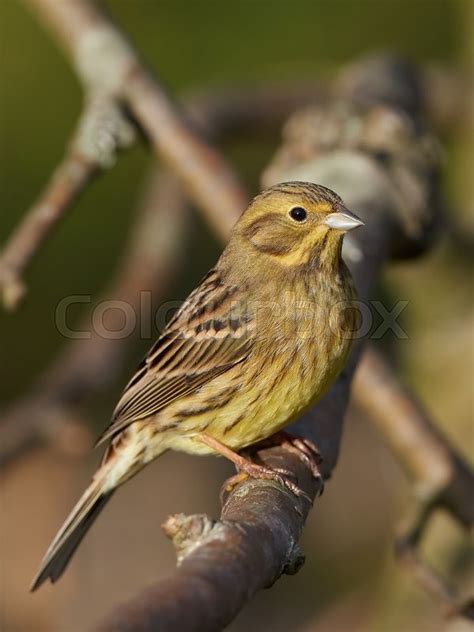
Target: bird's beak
[[343, 220]]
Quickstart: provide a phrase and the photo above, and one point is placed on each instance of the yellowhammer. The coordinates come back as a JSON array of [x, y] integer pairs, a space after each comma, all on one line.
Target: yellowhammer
[[259, 341]]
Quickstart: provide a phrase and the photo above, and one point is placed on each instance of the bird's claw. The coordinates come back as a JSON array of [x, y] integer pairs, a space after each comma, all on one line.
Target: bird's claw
[[253, 470], [306, 451]]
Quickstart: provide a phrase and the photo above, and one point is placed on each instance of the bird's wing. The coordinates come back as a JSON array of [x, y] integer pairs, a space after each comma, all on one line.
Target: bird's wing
[[207, 336]]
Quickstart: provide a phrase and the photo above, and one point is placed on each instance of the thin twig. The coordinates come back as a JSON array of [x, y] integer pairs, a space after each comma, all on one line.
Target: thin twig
[[114, 79], [250, 110], [101, 132], [245, 110], [69, 179], [102, 56], [49, 411]]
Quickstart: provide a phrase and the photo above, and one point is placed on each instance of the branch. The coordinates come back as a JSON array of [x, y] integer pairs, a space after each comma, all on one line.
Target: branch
[[49, 412], [103, 58], [445, 93], [114, 80], [87, 35], [69, 179], [221, 564], [250, 110], [101, 132], [440, 478]]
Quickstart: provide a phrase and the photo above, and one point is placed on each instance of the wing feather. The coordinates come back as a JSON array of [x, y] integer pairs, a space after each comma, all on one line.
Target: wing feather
[[208, 335]]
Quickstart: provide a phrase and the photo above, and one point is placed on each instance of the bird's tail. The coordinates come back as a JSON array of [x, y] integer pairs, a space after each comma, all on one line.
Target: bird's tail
[[124, 457], [71, 533]]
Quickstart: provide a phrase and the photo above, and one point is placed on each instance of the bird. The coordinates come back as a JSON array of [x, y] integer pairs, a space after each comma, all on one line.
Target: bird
[[257, 343]]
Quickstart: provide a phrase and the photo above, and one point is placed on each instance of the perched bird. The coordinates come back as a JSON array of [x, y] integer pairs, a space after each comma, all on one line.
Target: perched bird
[[258, 342]]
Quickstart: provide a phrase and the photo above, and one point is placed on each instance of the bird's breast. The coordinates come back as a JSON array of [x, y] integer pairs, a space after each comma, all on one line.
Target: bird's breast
[[298, 348]]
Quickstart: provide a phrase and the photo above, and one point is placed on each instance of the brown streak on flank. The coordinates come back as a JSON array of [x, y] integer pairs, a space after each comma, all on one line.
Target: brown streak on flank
[[234, 423], [195, 412], [289, 362], [242, 416], [276, 381], [217, 401]]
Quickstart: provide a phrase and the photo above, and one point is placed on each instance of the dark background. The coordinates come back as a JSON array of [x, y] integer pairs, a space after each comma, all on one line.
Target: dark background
[[350, 581]]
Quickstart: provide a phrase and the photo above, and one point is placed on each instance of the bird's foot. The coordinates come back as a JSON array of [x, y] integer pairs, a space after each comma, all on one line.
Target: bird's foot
[[249, 469], [305, 450]]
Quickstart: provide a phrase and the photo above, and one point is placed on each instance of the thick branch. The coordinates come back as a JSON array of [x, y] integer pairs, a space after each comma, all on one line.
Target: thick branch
[[222, 564]]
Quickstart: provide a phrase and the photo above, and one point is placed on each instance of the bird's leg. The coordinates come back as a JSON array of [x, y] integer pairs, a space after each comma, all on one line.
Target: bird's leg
[[249, 469], [305, 450]]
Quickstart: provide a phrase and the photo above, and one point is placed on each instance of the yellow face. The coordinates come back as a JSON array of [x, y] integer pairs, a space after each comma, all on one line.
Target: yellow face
[[296, 222]]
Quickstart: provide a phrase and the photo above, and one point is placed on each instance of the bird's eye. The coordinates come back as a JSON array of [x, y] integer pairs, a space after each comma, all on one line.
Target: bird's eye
[[298, 213]]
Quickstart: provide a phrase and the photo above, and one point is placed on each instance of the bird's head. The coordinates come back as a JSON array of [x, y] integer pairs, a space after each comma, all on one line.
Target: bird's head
[[296, 223]]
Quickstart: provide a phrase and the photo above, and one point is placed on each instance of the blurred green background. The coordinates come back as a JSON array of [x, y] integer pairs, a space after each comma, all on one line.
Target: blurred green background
[[193, 46]]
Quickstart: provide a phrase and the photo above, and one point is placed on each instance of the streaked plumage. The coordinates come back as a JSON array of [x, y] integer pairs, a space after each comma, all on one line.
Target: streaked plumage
[[260, 340]]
